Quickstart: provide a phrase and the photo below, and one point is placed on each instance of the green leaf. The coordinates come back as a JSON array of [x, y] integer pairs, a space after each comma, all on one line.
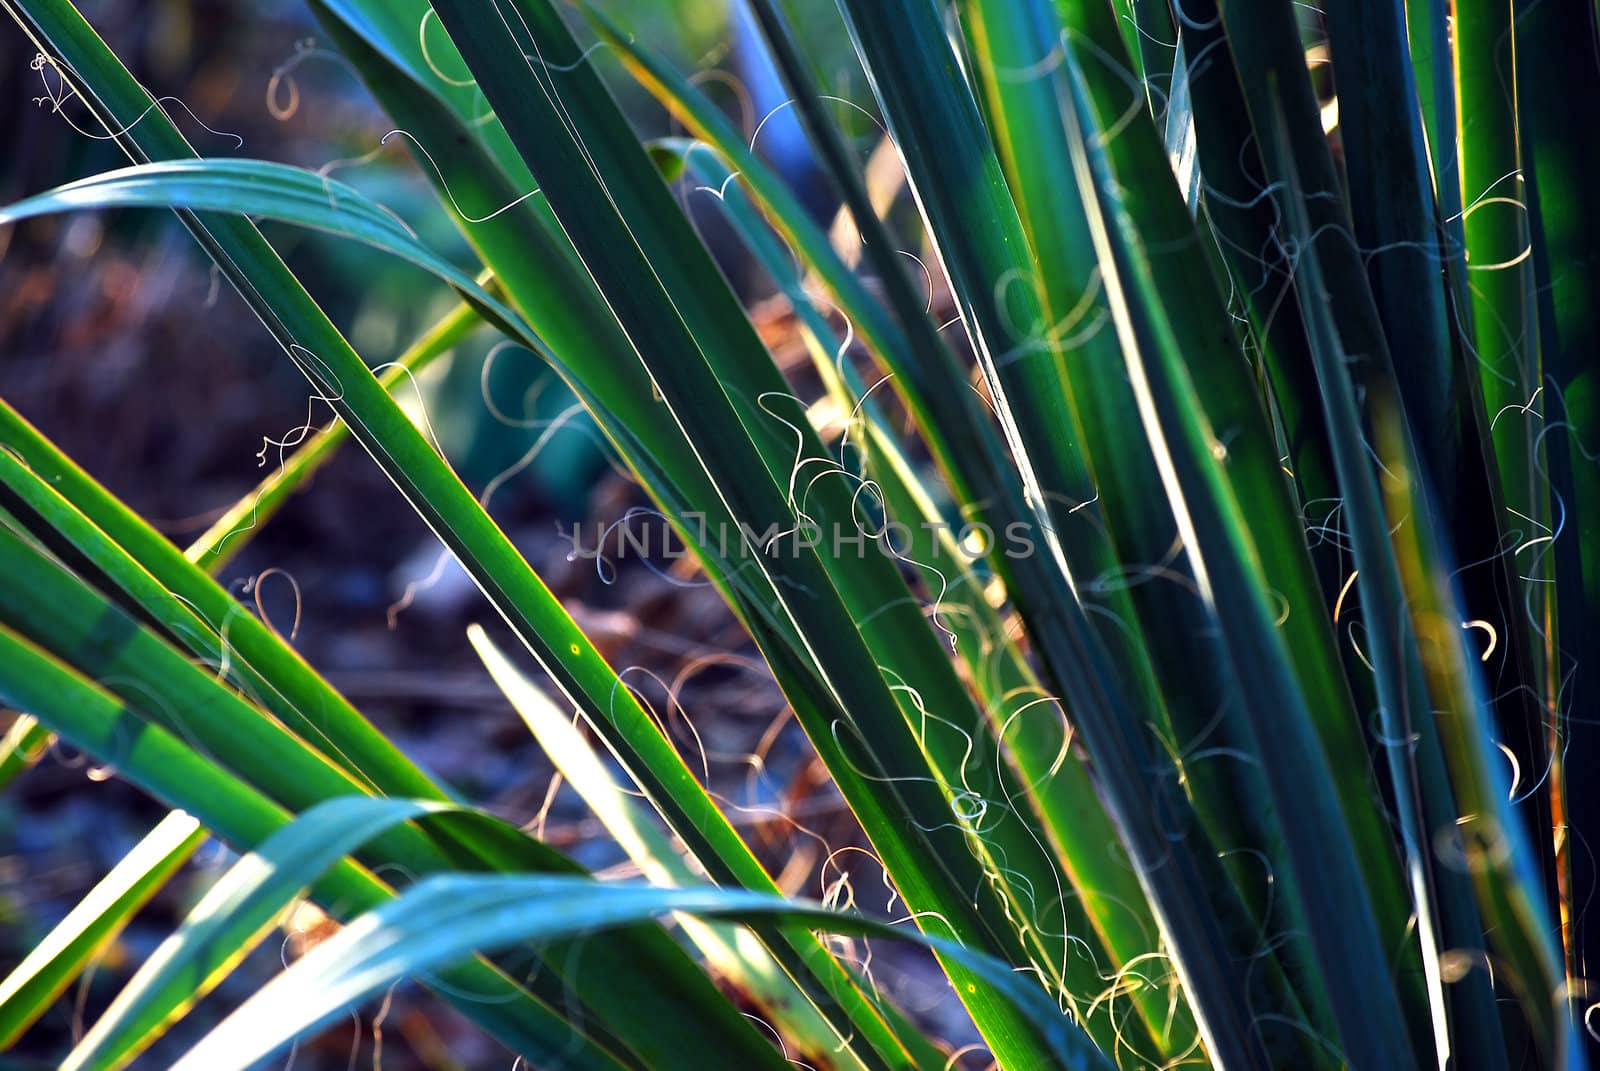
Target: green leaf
[[701, 352], [1466, 1020], [442, 919], [917, 357], [88, 717], [1392, 207], [876, 586], [1245, 224], [65, 503], [377, 422], [277, 191], [1408, 231], [620, 390], [1271, 66], [235, 914], [1058, 785], [1181, 658], [292, 197], [75, 623], [729, 951], [1324, 872], [1502, 865], [1505, 348], [1042, 584], [54, 962], [25, 742], [1558, 158], [239, 910]]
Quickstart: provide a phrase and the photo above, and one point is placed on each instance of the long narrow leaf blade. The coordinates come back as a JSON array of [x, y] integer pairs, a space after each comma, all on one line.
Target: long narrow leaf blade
[[442, 919], [52, 964]]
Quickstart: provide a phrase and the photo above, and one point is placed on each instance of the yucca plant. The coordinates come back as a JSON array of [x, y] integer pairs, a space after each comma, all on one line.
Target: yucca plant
[[1198, 622]]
